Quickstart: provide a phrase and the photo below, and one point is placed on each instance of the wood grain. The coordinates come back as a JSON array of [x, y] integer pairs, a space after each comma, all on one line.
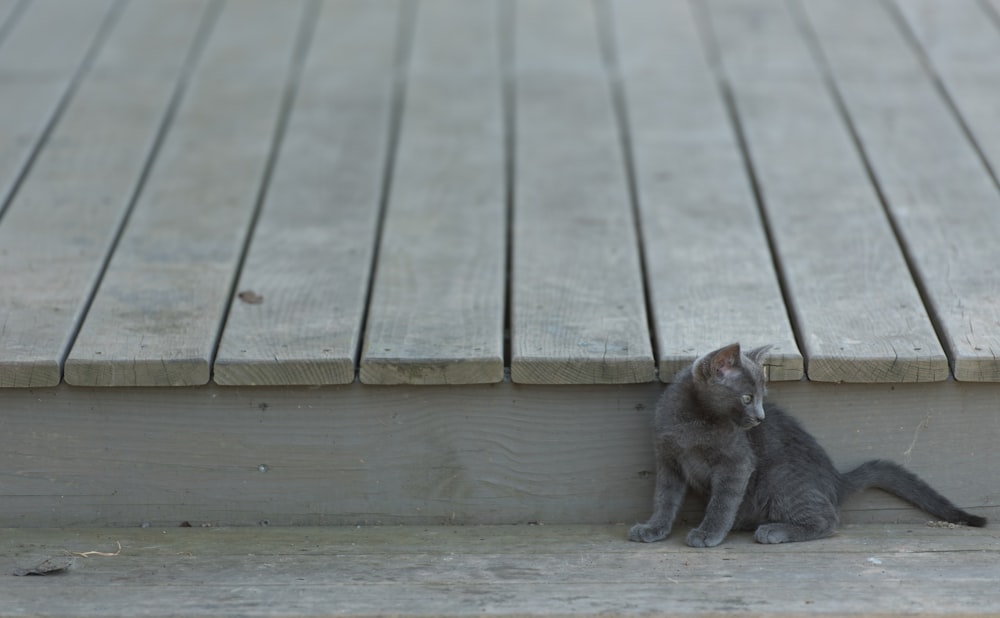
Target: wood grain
[[578, 304], [961, 44], [939, 193], [859, 314], [36, 75], [59, 229], [23, 55], [7, 12], [437, 309], [157, 315], [311, 252], [711, 277], [960, 40], [474, 454], [523, 570]]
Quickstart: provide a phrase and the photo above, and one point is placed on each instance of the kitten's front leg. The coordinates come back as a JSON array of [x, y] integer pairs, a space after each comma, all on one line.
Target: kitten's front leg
[[667, 498], [727, 493]]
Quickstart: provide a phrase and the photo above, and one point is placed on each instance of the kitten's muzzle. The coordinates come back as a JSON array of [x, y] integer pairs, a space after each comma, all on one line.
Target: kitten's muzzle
[[753, 417]]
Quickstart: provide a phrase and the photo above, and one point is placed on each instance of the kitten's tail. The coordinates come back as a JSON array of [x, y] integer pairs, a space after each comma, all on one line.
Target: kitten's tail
[[899, 481]]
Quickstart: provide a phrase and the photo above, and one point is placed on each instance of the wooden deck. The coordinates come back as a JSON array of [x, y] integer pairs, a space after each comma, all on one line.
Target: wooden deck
[[874, 570], [223, 225]]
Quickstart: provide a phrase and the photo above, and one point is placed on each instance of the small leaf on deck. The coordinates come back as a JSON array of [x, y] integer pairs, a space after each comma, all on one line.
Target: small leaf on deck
[[250, 297], [50, 566]]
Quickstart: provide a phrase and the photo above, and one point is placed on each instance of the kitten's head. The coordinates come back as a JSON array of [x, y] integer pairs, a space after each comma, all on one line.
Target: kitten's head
[[733, 383]]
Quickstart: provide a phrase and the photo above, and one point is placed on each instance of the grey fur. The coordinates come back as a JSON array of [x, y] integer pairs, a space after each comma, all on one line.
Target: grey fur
[[758, 467]]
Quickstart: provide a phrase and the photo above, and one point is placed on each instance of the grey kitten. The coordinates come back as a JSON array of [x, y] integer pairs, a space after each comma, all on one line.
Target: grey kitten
[[758, 467]]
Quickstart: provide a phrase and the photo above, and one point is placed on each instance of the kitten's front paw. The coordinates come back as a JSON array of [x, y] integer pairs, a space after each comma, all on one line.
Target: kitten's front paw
[[644, 533], [771, 534], [700, 538]]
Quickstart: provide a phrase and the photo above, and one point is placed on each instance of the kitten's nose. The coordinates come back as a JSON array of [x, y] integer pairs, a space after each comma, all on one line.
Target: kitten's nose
[[759, 413]]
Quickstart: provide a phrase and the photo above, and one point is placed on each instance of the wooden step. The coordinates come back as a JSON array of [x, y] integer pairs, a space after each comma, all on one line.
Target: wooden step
[[498, 453], [227, 227], [531, 570]]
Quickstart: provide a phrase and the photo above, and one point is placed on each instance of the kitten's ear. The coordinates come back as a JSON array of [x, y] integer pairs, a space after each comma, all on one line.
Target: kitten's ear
[[725, 361], [757, 354]]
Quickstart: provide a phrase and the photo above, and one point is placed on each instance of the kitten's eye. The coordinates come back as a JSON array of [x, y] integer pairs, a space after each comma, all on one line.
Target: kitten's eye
[[746, 399]]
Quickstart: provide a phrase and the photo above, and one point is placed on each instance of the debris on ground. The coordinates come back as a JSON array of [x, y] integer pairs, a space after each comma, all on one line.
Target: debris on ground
[[250, 297], [944, 524], [88, 554], [61, 564], [49, 566]]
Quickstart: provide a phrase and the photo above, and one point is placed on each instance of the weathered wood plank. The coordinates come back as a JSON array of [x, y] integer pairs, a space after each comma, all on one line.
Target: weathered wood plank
[[437, 309], [36, 76], [311, 253], [578, 306], [502, 453], [371, 542], [859, 313], [940, 195], [711, 277], [8, 14], [24, 56], [57, 231], [522, 570], [156, 317], [961, 40]]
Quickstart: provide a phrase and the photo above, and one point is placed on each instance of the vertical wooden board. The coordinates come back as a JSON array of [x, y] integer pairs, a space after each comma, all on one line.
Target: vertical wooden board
[[940, 194], [711, 276], [437, 308], [156, 317], [499, 453], [58, 230], [860, 315], [35, 75], [311, 252], [578, 305], [331, 455]]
